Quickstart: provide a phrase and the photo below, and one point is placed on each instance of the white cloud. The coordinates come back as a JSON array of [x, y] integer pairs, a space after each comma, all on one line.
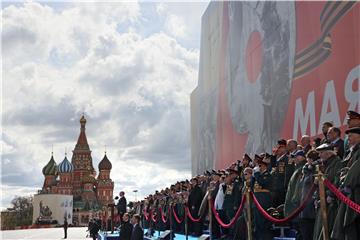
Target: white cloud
[[135, 90], [176, 26], [161, 8], [182, 20]]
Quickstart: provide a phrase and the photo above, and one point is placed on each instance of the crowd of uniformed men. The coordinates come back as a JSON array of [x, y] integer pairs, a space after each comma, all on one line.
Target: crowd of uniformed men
[[280, 181]]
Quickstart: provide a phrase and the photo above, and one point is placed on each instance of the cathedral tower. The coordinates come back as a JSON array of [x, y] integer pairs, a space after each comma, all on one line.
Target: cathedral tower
[[82, 161], [65, 169], [105, 185], [50, 173]]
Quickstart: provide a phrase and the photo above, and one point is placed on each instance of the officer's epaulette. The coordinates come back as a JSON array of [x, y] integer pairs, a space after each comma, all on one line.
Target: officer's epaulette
[[266, 173]]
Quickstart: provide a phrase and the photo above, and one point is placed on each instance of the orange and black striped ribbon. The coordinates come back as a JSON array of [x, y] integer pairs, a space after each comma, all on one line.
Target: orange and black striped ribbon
[[309, 58]]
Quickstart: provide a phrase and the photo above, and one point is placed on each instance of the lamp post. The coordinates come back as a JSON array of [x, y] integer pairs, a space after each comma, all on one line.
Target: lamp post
[[135, 193]]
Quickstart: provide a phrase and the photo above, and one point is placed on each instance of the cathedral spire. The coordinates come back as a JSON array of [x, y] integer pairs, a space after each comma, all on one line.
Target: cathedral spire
[[82, 140]]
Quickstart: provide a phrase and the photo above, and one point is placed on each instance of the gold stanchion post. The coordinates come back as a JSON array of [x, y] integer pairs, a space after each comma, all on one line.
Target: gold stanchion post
[[186, 223], [210, 214], [248, 208], [112, 206], [320, 180]]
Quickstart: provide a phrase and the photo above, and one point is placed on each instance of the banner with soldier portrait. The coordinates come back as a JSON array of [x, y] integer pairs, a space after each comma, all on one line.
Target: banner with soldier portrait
[[271, 70]]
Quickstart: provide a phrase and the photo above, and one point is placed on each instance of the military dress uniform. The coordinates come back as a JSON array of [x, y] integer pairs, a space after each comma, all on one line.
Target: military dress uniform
[[331, 170], [232, 199], [307, 216], [351, 115], [260, 184], [347, 222], [241, 228], [293, 194], [279, 183], [194, 201]]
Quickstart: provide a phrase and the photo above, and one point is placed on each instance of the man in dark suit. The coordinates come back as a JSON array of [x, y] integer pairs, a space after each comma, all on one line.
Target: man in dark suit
[[325, 129], [126, 228], [306, 143], [94, 228], [65, 227], [121, 205], [137, 232], [334, 136]]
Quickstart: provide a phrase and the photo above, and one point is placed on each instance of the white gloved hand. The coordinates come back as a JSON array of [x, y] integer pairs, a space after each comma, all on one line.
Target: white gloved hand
[[256, 169]]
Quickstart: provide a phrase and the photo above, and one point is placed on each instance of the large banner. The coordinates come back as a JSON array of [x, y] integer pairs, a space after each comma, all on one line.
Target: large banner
[[271, 70], [51, 208]]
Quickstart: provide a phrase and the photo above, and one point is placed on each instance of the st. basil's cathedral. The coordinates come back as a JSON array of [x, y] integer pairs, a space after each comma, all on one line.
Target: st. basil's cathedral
[[91, 194]]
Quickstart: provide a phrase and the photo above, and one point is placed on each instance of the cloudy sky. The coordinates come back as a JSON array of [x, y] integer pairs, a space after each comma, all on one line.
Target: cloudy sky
[[129, 66]]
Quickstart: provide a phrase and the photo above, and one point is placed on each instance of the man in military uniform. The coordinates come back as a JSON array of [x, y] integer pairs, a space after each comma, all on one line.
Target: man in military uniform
[[306, 217], [216, 176], [260, 184], [194, 201], [331, 164], [292, 199], [353, 120], [240, 228], [214, 188], [293, 194], [279, 179], [244, 163], [232, 196], [347, 222]]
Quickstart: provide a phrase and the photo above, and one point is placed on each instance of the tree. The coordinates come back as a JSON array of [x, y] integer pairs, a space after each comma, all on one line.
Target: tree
[[23, 206]]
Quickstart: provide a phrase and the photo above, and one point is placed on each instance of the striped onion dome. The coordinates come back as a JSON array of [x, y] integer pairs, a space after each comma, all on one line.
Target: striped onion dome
[[65, 166], [105, 164], [50, 168]]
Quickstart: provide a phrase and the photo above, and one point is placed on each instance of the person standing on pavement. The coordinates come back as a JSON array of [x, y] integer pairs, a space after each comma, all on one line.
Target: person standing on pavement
[[65, 227]]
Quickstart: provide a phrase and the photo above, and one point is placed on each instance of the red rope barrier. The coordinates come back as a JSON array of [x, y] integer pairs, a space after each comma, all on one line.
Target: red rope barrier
[[292, 215], [187, 210], [234, 219], [146, 215], [176, 217], [163, 219], [342, 197], [153, 217]]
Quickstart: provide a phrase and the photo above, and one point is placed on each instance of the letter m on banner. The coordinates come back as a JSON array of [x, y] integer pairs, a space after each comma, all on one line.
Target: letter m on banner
[[303, 118]]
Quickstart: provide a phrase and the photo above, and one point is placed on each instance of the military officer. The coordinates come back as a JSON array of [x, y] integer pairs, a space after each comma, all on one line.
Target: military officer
[[232, 196], [279, 181], [194, 201], [292, 199], [353, 120], [244, 163], [331, 165], [307, 216], [260, 184], [347, 222]]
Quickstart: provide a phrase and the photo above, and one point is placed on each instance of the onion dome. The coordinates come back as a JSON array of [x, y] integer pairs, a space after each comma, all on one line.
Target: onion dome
[[82, 120], [105, 164], [88, 179], [50, 168], [65, 166]]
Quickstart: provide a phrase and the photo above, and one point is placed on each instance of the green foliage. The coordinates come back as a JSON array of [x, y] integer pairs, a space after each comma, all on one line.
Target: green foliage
[[23, 207]]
